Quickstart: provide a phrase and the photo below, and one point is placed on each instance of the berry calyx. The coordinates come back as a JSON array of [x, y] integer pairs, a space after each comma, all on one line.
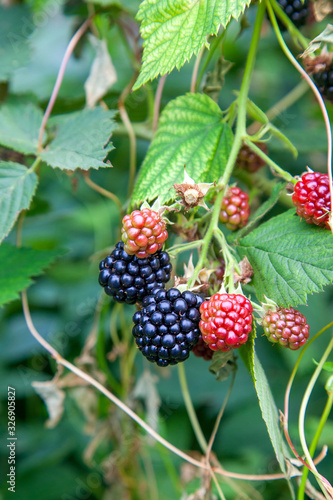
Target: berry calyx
[[129, 279], [235, 208], [248, 160], [202, 350], [312, 198], [143, 233], [286, 327], [167, 327], [226, 321]]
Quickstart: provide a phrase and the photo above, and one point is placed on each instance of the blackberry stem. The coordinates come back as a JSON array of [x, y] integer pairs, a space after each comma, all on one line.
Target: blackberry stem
[[323, 419], [190, 408], [237, 143], [282, 173], [323, 483], [295, 33]]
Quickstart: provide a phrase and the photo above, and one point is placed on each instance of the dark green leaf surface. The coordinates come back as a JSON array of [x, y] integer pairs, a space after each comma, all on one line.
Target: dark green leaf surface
[[18, 265], [82, 140], [17, 187], [190, 133], [19, 126], [173, 31], [290, 259]]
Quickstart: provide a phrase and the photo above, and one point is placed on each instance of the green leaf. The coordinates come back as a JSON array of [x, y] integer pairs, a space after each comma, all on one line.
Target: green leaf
[[328, 366], [15, 28], [266, 401], [17, 187], [81, 140], [18, 265], [222, 365], [290, 259], [174, 30], [191, 133], [19, 126]]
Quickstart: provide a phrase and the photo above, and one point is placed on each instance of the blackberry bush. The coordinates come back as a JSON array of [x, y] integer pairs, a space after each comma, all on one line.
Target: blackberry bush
[[167, 327], [129, 279]]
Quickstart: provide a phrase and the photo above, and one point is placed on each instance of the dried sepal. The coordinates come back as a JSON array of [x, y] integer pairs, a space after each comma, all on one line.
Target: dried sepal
[[192, 194]]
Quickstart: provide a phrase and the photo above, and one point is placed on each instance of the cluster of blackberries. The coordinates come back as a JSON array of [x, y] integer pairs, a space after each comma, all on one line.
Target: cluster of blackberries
[[129, 279], [296, 10], [167, 327], [324, 82]]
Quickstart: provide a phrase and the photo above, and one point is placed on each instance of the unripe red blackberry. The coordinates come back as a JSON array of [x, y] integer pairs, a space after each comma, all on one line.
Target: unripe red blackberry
[[248, 160], [235, 208], [226, 321], [202, 350], [167, 327], [312, 198], [287, 327], [216, 278], [143, 232]]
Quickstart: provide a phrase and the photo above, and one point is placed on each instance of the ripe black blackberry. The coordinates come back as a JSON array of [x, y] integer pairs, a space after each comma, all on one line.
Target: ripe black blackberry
[[324, 81], [129, 279], [167, 327], [296, 10]]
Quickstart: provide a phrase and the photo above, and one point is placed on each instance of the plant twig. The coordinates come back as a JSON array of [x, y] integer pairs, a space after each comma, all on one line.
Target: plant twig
[[157, 102], [190, 408], [104, 192], [312, 449], [286, 102], [71, 46], [323, 482], [195, 70], [282, 173], [131, 135]]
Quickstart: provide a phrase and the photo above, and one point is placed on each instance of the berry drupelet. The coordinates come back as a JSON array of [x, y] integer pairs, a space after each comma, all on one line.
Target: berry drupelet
[[286, 327], [324, 81], [312, 198], [129, 279], [296, 10], [235, 208], [167, 327], [249, 160], [143, 233], [226, 321], [202, 350]]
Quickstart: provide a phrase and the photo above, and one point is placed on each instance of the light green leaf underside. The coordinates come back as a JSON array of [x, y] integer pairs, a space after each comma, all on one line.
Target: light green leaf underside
[[19, 126], [190, 133], [290, 259], [17, 187], [174, 30], [81, 140], [18, 265], [266, 401]]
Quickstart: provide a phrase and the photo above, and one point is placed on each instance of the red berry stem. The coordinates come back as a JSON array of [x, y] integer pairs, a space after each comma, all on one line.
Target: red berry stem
[[282, 173]]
